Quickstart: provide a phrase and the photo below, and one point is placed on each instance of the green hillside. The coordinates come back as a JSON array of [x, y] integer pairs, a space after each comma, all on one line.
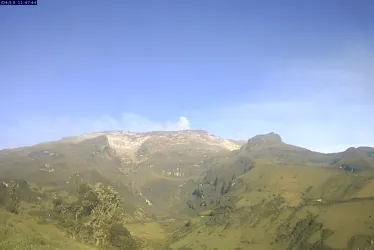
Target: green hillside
[[285, 202], [185, 190]]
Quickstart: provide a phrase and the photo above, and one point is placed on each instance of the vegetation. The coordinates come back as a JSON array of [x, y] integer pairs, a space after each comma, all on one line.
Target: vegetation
[[14, 202], [23, 232], [266, 195], [96, 217]]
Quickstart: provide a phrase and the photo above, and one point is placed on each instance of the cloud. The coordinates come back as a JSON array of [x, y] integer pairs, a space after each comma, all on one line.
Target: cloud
[[183, 123], [31, 130], [324, 105]]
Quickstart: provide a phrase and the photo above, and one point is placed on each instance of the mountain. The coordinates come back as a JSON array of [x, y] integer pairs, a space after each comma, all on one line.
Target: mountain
[[141, 165], [286, 197], [193, 190]]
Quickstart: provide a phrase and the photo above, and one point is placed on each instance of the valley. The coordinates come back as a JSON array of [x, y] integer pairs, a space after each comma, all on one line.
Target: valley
[[187, 190]]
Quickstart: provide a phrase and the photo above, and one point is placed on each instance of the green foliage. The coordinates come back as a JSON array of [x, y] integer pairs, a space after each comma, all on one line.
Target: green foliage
[[95, 217], [120, 237], [22, 232], [13, 204]]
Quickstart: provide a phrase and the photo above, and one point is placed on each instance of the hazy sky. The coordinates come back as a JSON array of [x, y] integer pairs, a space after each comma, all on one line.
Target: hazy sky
[[303, 69]]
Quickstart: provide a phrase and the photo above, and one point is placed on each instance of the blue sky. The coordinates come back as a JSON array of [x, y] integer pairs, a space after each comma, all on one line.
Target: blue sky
[[303, 69]]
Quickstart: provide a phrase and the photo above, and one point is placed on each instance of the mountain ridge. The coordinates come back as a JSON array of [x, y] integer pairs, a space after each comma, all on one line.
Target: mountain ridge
[[232, 144], [169, 177]]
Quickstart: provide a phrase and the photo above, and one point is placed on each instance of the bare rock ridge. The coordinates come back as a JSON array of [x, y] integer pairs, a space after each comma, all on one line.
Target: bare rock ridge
[[127, 144]]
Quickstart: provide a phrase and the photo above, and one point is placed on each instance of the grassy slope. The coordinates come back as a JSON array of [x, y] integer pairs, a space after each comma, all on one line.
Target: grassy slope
[[75, 162], [274, 206], [267, 207], [24, 232]]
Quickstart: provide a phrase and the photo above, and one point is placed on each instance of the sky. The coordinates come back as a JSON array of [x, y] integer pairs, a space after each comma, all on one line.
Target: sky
[[302, 69]]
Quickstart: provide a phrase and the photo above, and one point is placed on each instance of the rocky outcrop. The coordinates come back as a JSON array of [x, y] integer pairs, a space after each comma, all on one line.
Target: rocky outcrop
[[130, 145]]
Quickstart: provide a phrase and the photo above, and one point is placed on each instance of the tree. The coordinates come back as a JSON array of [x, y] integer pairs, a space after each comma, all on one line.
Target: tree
[[120, 237], [107, 211], [96, 216], [14, 202]]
